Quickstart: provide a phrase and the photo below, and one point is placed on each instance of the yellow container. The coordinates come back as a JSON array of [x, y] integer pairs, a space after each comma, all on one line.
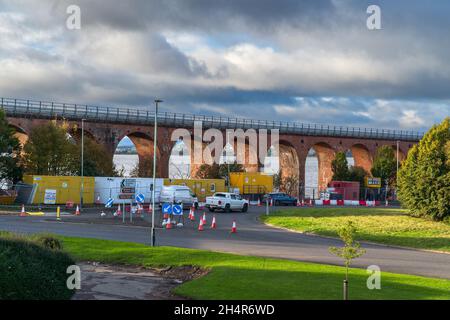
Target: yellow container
[[251, 182], [60, 190], [201, 187]]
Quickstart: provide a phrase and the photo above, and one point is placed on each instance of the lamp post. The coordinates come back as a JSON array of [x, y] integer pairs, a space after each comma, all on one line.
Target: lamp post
[[82, 164], [155, 137]]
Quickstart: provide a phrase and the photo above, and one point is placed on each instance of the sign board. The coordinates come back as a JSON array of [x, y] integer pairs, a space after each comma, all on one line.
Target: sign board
[[127, 189], [109, 203], [167, 208], [373, 182], [50, 196], [140, 198], [177, 210]]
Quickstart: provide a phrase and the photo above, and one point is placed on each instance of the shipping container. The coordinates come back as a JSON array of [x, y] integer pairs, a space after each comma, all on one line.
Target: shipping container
[[201, 187], [124, 190], [251, 182], [348, 189], [60, 189]]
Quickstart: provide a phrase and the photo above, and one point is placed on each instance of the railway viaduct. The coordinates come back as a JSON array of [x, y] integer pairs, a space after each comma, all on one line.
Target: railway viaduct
[[109, 125]]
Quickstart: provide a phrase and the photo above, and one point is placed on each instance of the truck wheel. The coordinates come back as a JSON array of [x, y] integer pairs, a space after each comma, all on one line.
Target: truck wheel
[[245, 208], [227, 208], [196, 206], [212, 209]]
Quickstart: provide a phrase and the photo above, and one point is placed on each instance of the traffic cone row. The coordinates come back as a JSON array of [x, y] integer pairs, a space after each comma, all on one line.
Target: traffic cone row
[[192, 213]]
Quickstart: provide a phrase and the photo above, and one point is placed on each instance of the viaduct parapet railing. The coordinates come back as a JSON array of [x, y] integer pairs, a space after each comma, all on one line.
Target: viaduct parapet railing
[[50, 110]]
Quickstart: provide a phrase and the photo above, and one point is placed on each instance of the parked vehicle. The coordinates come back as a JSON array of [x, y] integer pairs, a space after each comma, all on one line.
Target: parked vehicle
[[178, 194], [281, 199], [227, 202]]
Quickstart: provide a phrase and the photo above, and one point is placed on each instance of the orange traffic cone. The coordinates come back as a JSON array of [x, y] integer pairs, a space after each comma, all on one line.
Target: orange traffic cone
[[150, 209], [193, 216], [77, 211], [169, 224], [204, 218], [234, 228], [259, 202], [119, 211], [200, 226], [23, 213], [271, 202], [299, 204], [213, 224]]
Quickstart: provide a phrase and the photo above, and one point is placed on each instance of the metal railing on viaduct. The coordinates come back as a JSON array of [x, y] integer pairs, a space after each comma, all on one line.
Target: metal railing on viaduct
[[20, 108]]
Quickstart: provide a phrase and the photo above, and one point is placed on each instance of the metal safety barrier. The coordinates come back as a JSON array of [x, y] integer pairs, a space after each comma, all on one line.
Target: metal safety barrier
[[52, 110]]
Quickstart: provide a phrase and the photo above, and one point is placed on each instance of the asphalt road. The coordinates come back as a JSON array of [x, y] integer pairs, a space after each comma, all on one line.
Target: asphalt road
[[252, 238]]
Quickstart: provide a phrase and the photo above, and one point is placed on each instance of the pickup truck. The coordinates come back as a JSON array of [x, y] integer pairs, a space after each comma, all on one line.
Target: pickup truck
[[227, 202]]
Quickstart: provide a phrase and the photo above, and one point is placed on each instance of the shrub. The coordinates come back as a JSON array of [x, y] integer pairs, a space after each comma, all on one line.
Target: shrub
[[31, 272], [424, 179], [48, 242]]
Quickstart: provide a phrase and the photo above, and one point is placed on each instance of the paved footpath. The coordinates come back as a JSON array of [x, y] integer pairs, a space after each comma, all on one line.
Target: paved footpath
[[252, 238]]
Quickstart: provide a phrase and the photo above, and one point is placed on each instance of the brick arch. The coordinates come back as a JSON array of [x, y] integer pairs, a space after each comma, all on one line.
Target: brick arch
[[144, 145], [289, 162], [362, 156], [325, 154]]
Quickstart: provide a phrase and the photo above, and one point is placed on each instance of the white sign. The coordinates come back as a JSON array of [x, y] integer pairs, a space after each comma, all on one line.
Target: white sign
[[50, 196]]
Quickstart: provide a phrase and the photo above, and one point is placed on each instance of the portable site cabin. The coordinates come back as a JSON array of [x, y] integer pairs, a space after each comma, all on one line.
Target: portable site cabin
[[201, 187], [251, 183], [59, 189]]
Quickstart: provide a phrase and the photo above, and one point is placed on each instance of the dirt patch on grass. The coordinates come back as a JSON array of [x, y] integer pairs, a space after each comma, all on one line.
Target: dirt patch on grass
[[114, 282]]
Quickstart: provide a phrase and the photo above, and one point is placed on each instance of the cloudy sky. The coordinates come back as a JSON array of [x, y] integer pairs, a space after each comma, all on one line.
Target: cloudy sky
[[309, 61]]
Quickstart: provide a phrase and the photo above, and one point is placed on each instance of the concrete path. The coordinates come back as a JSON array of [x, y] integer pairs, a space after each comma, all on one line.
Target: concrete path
[[253, 238]]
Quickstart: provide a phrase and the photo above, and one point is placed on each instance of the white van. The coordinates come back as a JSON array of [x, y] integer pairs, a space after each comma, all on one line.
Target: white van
[[178, 194]]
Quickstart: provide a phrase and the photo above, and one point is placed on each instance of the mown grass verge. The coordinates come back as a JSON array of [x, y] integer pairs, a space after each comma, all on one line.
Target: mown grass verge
[[386, 226], [243, 277]]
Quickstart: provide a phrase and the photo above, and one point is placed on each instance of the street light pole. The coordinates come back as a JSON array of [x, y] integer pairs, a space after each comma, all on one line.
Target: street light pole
[[82, 164], [155, 137]]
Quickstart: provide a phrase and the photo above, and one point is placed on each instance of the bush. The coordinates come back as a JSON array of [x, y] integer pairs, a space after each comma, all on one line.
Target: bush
[[424, 179], [29, 271], [48, 242]]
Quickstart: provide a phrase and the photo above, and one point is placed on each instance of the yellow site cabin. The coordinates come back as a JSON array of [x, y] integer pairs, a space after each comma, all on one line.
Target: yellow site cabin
[[60, 190]]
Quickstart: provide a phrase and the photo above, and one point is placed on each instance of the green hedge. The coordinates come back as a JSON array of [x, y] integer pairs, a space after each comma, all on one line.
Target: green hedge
[[30, 271], [424, 179]]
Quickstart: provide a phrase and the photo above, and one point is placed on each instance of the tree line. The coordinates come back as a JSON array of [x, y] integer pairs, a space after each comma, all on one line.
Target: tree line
[[50, 150]]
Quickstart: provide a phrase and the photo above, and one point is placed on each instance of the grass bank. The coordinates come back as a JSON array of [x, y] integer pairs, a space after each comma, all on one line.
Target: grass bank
[[242, 277], [33, 268], [381, 225]]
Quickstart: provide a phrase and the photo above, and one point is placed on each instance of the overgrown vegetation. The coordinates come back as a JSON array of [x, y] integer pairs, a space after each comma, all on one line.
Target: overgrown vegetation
[[342, 171], [51, 150], [218, 171], [424, 179], [10, 152], [385, 165], [33, 268]]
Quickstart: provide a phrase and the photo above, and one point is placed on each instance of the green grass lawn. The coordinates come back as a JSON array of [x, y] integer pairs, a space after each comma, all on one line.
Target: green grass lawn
[[242, 277], [387, 226]]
